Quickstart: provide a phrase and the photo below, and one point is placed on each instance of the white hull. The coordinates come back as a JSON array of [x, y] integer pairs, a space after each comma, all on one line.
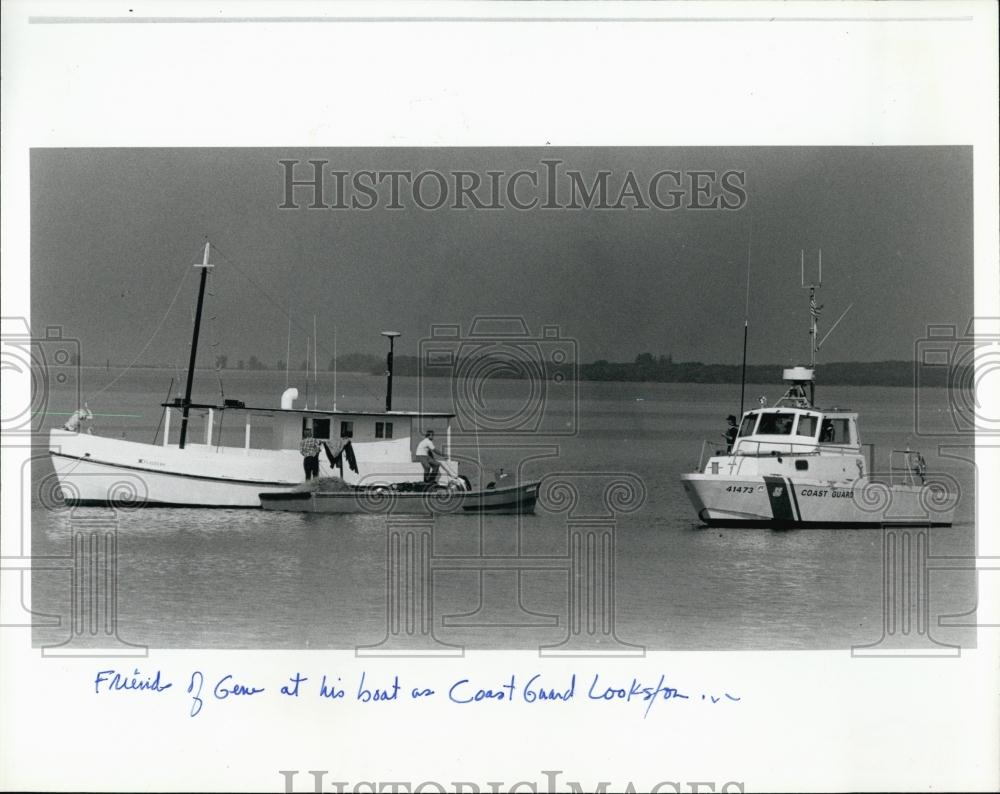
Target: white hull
[[780, 501], [96, 470]]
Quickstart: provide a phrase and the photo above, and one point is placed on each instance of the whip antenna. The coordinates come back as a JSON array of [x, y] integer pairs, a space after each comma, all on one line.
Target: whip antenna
[[746, 324]]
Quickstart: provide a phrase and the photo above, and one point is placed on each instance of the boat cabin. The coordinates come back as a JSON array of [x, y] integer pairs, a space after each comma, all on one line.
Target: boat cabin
[[794, 438], [791, 430], [795, 425], [234, 425]]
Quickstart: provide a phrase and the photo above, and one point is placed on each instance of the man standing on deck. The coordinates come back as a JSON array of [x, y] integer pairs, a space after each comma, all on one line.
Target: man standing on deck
[[310, 454], [425, 455], [731, 432]]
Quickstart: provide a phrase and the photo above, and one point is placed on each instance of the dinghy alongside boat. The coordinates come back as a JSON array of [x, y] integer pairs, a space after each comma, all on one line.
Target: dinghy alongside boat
[[419, 499]]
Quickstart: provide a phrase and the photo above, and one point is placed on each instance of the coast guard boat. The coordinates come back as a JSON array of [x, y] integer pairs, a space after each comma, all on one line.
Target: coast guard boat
[[364, 449], [798, 465]]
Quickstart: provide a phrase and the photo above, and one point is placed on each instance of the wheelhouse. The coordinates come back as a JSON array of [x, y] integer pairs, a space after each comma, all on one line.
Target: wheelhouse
[[790, 429]]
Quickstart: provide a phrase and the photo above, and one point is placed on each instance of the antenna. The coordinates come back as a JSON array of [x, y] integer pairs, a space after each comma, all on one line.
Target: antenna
[[746, 324], [819, 275], [315, 367], [814, 310], [335, 368], [288, 346], [819, 344]]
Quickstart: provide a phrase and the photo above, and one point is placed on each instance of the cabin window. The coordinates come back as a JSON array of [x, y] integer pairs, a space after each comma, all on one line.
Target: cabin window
[[746, 429], [834, 431], [383, 430], [807, 426], [320, 427], [347, 429], [779, 424], [801, 465]]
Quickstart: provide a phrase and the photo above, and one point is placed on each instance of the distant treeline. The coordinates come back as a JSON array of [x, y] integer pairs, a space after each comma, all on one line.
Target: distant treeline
[[663, 369], [848, 373], [647, 368]]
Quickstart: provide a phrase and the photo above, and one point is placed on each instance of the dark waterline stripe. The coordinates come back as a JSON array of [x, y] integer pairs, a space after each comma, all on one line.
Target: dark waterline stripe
[[153, 505], [173, 473]]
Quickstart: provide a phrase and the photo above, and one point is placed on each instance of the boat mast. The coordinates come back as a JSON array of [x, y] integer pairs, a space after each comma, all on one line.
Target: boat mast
[[814, 311], [288, 346], [391, 336], [307, 371], [194, 346], [815, 343]]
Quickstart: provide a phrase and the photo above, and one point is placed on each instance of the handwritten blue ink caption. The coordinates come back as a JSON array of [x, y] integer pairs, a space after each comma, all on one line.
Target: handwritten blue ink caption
[[535, 689]]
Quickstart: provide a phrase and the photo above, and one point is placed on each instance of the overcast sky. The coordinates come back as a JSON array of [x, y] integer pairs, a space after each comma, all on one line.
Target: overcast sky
[[115, 231]]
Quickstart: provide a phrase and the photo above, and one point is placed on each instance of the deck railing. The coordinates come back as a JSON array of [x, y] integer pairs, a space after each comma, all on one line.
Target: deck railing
[[752, 449], [907, 466]]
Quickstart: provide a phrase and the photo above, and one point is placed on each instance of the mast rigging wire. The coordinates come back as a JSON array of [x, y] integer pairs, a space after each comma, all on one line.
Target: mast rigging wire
[[145, 347]]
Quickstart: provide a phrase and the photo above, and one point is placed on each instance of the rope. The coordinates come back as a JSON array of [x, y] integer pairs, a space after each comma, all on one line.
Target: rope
[[283, 311], [214, 334], [156, 330]]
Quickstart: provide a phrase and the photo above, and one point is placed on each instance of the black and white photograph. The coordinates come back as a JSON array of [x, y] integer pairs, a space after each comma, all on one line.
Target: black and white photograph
[[380, 416], [505, 342]]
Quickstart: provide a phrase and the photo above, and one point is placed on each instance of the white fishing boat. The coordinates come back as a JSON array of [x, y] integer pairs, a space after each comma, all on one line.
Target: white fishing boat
[[798, 465], [93, 470], [363, 448]]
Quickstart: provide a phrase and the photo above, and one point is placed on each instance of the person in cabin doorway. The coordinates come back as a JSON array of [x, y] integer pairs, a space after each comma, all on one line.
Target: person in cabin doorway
[[731, 432], [425, 456], [310, 454]]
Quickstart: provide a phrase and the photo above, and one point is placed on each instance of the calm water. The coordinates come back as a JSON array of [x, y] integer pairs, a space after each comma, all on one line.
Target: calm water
[[254, 579]]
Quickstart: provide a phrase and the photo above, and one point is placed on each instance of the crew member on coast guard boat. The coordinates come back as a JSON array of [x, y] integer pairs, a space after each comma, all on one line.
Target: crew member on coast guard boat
[[731, 432]]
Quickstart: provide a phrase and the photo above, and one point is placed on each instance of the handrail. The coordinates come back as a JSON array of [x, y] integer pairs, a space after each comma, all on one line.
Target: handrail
[[701, 457], [710, 449], [913, 467], [792, 448]]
